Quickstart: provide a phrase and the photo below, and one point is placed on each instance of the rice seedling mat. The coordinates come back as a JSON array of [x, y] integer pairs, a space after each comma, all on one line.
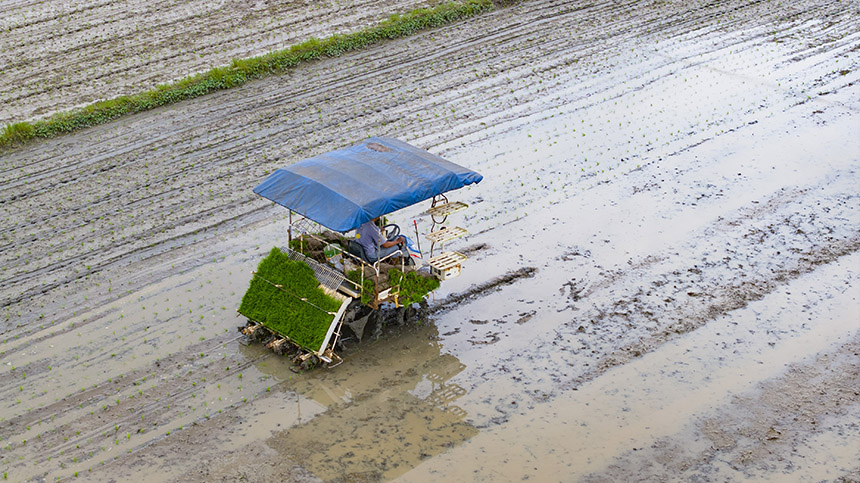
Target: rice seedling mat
[[285, 298]]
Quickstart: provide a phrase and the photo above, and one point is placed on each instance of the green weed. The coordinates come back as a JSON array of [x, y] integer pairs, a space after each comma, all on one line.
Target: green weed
[[18, 132]]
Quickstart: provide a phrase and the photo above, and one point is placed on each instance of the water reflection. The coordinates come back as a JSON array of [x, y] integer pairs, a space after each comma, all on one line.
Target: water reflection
[[390, 406]]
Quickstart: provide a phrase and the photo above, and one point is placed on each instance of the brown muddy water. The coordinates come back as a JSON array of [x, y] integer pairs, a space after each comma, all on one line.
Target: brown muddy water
[[662, 282]]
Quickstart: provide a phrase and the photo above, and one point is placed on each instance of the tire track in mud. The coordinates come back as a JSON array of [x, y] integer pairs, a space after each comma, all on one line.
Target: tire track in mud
[[800, 241], [96, 187], [622, 313], [506, 70], [667, 394]]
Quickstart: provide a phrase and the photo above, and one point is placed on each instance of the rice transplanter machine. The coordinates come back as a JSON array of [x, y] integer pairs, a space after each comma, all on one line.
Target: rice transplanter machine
[[302, 294]]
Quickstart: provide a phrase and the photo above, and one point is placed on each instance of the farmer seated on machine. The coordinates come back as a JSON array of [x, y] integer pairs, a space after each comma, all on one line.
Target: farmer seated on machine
[[367, 235]]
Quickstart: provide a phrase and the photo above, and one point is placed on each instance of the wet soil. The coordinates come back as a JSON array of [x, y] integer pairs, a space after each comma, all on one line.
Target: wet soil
[[57, 55], [663, 271]]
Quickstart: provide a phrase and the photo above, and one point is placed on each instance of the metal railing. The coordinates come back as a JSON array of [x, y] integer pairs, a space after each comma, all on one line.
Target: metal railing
[[326, 276]]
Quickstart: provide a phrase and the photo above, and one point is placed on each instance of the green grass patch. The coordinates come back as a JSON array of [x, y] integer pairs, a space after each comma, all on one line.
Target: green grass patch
[[282, 310], [241, 71], [413, 287], [18, 132]]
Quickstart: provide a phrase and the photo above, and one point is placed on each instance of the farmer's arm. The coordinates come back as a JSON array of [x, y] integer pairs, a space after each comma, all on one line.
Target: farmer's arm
[[391, 243]]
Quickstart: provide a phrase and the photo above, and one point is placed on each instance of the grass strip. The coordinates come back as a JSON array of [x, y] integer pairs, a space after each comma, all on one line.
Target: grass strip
[[241, 71], [298, 310]]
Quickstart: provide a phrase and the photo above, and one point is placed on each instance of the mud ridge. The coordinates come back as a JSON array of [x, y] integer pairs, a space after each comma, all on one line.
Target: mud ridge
[[477, 291]]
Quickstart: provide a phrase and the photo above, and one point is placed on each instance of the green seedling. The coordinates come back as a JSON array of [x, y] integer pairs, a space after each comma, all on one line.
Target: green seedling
[[413, 287], [284, 297]]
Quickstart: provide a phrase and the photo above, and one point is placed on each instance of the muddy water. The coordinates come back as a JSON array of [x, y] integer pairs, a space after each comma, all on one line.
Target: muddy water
[[137, 369], [581, 432], [387, 420], [662, 276]]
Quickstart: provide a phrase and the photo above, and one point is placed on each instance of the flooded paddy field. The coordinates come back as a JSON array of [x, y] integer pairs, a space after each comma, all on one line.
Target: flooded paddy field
[[663, 277], [56, 55]]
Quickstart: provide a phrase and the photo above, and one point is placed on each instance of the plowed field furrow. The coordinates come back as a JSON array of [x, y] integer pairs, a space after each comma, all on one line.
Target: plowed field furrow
[[31, 163], [79, 263], [77, 56], [388, 90], [677, 178], [37, 204], [208, 385], [81, 36], [24, 14]]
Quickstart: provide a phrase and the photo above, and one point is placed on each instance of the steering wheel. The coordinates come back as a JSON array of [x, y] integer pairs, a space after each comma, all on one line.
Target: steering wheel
[[394, 233]]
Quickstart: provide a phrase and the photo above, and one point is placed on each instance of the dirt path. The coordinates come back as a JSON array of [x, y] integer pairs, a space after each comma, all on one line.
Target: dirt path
[[669, 213]]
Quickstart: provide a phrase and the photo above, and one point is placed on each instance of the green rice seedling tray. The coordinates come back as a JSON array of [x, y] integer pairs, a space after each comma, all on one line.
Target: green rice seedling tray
[[284, 297]]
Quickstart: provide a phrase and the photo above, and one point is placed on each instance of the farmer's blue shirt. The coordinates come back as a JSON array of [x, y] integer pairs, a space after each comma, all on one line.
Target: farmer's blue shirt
[[367, 235]]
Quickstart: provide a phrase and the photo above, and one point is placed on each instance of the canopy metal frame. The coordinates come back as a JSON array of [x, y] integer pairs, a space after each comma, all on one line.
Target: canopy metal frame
[[307, 229]]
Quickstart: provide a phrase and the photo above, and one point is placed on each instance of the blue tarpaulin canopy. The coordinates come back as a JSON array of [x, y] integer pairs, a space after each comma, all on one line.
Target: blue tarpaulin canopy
[[343, 189]]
